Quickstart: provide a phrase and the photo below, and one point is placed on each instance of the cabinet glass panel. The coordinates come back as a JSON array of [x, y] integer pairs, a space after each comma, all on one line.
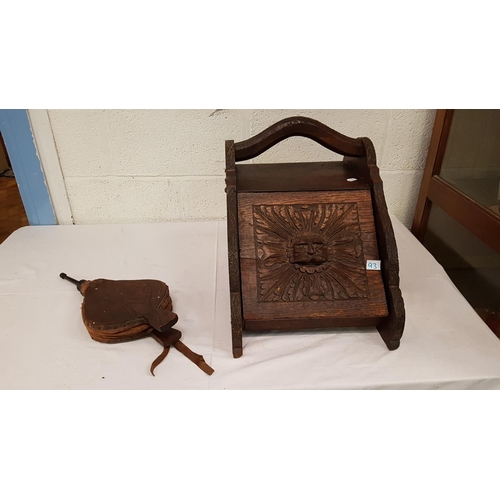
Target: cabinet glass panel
[[472, 265], [471, 162]]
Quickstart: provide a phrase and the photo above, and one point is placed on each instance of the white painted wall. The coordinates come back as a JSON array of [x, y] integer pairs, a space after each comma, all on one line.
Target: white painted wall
[[126, 166]]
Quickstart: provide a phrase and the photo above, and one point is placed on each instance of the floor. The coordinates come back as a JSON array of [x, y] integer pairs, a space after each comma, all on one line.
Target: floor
[[12, 214]]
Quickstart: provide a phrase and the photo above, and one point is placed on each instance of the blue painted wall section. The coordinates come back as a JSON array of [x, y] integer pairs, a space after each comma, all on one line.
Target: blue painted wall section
[[16, 133]]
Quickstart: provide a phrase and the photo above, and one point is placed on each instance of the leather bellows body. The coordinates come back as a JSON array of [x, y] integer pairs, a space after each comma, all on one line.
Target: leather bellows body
[[123, 310]]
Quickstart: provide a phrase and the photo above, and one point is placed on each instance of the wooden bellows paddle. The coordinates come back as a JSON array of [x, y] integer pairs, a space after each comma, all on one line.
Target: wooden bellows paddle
[[119, 311]]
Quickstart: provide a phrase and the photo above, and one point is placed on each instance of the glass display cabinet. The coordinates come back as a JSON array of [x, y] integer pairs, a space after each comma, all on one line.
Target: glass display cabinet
[[457, 217]]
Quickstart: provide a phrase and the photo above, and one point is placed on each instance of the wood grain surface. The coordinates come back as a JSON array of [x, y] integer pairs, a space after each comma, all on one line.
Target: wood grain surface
[[303, 257], [315, 176]]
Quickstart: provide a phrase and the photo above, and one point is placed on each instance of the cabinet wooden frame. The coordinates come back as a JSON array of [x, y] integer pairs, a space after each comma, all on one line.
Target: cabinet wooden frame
[[359, 162], [476, 218]]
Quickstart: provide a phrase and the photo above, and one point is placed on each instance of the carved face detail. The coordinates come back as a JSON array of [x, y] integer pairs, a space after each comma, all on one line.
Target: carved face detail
[[308, 249]]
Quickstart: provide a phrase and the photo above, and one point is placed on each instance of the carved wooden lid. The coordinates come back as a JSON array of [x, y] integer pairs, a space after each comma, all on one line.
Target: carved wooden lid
[[304, 256]]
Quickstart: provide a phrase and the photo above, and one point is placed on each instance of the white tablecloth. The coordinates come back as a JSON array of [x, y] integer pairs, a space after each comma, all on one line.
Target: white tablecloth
[[44, 344]]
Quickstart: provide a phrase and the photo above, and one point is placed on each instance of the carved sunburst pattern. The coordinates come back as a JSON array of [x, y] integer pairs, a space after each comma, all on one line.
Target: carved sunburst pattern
[[309, 252]]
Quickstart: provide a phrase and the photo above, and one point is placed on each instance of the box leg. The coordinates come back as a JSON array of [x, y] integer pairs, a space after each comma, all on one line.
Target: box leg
[[236, 324], [391, 327]]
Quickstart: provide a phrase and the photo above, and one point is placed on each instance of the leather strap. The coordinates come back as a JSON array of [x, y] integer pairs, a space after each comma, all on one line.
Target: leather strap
[[197, 359], [159, 359], [172, 337]]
